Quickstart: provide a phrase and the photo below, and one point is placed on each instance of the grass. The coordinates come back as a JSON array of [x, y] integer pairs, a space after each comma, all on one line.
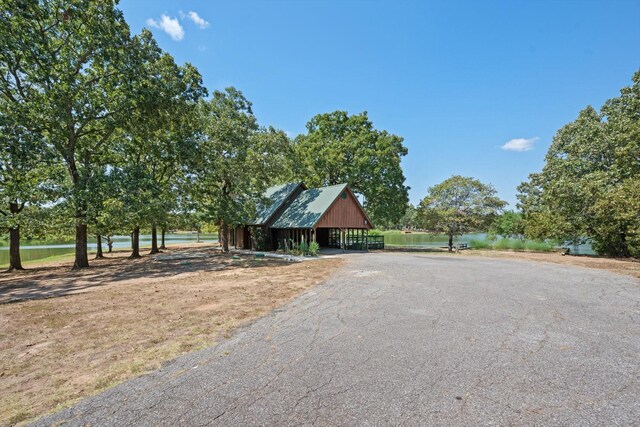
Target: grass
[[512, 245]]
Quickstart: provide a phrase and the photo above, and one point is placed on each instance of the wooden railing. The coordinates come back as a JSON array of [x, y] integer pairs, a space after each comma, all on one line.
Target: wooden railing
[[363, 243]]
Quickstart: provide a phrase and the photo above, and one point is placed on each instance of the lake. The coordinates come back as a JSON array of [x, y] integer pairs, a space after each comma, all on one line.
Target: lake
[[34, 250], [427, 240]]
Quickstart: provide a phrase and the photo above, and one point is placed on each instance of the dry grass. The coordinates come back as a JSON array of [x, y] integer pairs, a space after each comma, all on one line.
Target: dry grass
[[81, 332], [627, 266]]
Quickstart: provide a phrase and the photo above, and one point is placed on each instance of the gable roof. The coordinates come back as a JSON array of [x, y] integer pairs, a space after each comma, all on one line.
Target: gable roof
[[278, 194], [307, 209]]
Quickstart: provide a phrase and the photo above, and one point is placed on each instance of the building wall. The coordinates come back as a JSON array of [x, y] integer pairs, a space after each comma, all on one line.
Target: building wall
[[344, 213], [242, 238]]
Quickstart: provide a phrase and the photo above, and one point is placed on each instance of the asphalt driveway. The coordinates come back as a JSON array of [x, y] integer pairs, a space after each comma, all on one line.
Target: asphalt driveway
[[410, 339]]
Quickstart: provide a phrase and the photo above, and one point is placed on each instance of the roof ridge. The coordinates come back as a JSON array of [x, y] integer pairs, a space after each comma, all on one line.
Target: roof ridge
[[328, 186]]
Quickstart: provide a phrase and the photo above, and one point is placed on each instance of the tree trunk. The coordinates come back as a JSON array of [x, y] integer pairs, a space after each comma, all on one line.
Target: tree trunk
[[162, 246], [99, 246], [224, 236], [15, 263], [109, 244], [135, 243], [198, 235], [450, 242], [82, 257], [154, 241]]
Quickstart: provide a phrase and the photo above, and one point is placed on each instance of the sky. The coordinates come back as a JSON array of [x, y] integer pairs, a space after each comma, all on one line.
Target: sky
[[475, 88]]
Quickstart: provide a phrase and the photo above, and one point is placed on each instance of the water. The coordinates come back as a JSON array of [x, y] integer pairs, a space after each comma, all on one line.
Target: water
[[423, 240], [34, 250]]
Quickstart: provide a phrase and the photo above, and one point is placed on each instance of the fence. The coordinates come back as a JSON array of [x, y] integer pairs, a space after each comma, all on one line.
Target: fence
[[363, 243]]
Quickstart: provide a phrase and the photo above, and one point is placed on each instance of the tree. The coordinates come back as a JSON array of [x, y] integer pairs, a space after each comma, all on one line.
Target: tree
[[339, 148], [586, 189], [71, 65], [508, 224], [408, 220], [157, 138], [229, 174], [459, 205], [28, 176]]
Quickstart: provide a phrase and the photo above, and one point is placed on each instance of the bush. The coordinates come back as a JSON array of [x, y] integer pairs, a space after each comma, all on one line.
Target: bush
[[534, 245], [502, 244], [303, 248], [314, 247], [479, 244], [517, 245]]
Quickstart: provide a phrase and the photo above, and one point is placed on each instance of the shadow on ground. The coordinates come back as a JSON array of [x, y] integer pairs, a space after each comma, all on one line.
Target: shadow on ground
[[58, 280]]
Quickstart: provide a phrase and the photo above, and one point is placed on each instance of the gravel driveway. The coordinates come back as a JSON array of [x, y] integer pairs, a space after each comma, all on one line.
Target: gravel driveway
[[410, 339]]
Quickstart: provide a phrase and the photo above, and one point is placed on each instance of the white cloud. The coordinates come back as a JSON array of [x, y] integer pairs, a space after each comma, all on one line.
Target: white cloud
[[169, 25], [520, 144], [201, 23]]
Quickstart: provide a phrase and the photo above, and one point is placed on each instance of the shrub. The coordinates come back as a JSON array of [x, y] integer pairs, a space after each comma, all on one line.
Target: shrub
[[314, 247], [534, 245], [502, 244], [517, 244], [303, 248], [479, 244]]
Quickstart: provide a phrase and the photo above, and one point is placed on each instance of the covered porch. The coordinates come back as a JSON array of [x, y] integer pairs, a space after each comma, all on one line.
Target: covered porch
[[328, 237]]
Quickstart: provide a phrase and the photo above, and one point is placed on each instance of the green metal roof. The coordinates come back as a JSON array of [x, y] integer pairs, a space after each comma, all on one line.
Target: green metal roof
[[277, 195], [307, 209]]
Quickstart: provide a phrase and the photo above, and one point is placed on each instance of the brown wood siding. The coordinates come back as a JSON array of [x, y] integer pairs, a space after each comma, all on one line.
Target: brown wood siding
[[344, 213], [243, 240]]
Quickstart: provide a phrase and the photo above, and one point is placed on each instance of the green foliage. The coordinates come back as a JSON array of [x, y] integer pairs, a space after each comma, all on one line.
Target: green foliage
[[72, 72], [259, 238], [229, 171], [314, 247], [539, 246], [508, 224], [101, 131], [459, 205], [512, 244], [502, 244], [303, 247], [339, 148], [480, 244], [588, 187]]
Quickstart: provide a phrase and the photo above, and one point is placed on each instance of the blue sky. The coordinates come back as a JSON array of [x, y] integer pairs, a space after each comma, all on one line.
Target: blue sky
[[458, 80]]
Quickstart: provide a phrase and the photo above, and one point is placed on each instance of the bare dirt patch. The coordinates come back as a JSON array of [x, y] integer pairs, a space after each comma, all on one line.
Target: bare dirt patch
[[629, 267], [65, 335]]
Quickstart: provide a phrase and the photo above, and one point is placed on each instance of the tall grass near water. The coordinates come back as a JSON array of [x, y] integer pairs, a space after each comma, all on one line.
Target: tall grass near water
[[512, 244]]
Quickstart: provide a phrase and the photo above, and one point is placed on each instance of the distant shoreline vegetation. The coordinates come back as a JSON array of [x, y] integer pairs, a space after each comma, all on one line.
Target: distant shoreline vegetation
[[480, 240]]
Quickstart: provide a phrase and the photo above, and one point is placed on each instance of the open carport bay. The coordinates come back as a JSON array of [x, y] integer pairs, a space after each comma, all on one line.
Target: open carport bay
[[409, 339]]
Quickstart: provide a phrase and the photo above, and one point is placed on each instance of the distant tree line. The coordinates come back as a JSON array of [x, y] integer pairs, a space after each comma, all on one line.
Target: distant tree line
[[102, 133]]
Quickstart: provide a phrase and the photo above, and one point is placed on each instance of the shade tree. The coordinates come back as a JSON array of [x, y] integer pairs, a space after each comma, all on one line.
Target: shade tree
[[459, 205]]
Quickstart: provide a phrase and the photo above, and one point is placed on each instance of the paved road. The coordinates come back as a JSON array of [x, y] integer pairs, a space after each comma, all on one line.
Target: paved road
[[411, 339]]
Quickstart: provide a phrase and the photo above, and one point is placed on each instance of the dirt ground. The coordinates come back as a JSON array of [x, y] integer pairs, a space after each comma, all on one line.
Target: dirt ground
[[625, 266], [65, 335]]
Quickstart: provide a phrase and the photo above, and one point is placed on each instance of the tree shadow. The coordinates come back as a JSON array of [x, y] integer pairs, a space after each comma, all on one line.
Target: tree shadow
[[59, 280]]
